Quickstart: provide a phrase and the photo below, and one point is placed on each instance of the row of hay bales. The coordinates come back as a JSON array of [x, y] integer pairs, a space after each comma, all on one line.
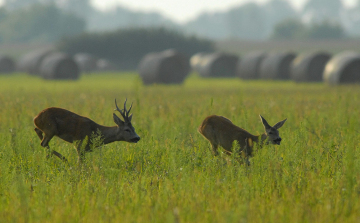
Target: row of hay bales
[[50, 64], [171, 67], [310, 67]]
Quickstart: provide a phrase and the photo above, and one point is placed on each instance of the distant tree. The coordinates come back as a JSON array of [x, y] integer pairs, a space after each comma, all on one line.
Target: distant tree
[[354, 17], [247, 22], [126, 47], [289, 29], [39, 23], [80, 8], [325, 30], [210, 25], [277, 11], [3, 13], [19, 4], [295, 29], [120, 17], [321, 10]]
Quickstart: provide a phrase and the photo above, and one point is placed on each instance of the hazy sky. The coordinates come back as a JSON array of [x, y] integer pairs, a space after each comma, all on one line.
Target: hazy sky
[[185, 10]]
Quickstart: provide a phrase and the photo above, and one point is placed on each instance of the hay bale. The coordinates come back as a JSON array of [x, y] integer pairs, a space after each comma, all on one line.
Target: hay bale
[[249, 66], [309, 67], [86, 62], [7, 65], [343, 68], [196, 61], [30, 62], [167, 67], [218, 65], [276, 66], [105, 65], [59, 66]]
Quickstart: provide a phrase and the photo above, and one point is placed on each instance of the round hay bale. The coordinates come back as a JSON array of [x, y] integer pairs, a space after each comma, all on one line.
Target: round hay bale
[[343, 68], [167, 67], [59, 66], [7, 65], [86, 62], [309, 67], [249, 66], [196, 60], [218, 65], [276, 66], [30, 62], [105, 65]]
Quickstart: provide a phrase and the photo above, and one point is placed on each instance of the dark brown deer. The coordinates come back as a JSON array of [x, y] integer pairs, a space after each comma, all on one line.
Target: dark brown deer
[[220, 131], [77, 129]]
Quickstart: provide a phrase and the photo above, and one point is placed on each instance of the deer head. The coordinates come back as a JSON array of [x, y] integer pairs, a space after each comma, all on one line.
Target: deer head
[[126, 132], [272, 132]]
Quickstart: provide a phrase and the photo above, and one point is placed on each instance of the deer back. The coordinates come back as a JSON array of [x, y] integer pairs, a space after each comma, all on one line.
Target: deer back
[[221, 131], [65, 124]]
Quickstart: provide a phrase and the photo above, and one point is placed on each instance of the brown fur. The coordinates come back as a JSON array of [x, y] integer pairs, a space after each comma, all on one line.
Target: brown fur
[[74, 128], [220, 131]]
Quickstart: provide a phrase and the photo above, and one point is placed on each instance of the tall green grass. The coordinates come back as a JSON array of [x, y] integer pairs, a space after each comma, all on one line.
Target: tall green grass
[[170, 175]]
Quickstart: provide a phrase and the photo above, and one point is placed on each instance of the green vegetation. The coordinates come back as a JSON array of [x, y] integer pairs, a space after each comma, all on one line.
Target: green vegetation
[[170, 175], [126, 47]]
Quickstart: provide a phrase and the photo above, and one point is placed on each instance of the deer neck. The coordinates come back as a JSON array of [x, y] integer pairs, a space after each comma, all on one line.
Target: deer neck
[[109, 133], [260, 139]]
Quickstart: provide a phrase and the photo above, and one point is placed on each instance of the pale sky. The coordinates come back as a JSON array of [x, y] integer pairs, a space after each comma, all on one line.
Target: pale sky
[[185, 10]]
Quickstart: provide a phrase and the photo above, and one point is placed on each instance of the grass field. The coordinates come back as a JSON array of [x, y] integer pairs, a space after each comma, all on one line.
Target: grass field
[[170, 175]]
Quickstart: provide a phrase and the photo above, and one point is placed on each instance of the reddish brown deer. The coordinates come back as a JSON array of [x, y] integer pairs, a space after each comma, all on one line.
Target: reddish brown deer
[[77, 129], [220, 131]]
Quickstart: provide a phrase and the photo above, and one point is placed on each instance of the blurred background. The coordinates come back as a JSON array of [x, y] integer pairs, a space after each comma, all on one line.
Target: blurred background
[[116, 35]]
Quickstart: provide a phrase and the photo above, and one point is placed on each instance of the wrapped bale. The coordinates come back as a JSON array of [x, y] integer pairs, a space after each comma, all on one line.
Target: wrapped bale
[[276, 66], [105, 65], [343, 68], [59, 66], [196, 61], [218, 65], [86, 62], [7, 65], [309, 67], [30, 62], [167, 67], [249, 66]]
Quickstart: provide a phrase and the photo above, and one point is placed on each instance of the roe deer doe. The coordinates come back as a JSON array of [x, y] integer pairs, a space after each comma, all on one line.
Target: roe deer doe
[[220, 131], [77, 129]]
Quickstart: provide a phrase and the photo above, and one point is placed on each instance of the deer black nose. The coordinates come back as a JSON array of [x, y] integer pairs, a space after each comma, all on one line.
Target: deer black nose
[[277, 141], [135, 140]]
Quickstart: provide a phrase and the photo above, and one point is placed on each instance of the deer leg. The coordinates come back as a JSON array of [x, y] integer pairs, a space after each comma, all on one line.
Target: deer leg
[[53, 152], [81, 151], [45, 143], [39, 133], [215, 149]]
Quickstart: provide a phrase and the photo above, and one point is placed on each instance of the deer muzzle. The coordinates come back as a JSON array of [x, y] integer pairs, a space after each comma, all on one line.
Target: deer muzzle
[[277, 141], [135, 140]]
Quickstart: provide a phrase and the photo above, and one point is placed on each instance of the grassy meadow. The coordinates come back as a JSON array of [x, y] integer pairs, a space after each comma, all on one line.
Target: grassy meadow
[[170, 175]]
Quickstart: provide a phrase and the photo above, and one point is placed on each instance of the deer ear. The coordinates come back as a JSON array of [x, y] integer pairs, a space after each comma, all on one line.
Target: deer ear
[[266, 125], [279, 124], [130, 117], [117, 120]]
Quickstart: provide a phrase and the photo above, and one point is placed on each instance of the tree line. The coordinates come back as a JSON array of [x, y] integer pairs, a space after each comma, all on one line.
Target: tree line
[[52, 20]]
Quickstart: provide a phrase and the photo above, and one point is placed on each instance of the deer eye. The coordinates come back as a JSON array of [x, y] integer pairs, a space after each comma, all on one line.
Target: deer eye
[[127, 130]]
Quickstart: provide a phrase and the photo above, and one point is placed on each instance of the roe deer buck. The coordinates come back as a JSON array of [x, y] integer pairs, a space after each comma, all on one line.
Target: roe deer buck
[[77, 129], [220, 131]]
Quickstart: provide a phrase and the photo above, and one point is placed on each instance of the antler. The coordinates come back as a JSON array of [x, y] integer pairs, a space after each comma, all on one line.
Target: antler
[[124, 112]]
